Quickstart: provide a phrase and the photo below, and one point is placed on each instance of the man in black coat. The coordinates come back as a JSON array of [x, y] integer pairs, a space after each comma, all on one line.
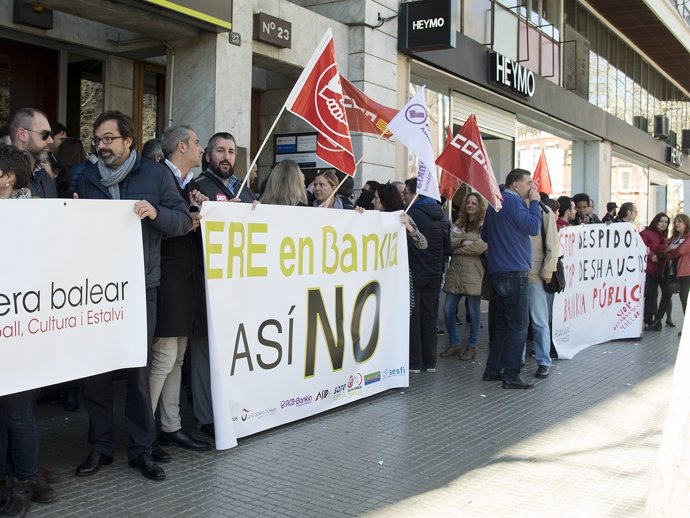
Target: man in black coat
[[120, 174], [218, 183], [30, 131], [175, 309], [426, 269]]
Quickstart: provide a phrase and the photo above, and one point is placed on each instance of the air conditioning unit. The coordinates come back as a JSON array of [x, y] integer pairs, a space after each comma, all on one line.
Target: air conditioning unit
[[660, 126], [641, 123], [685, 141]]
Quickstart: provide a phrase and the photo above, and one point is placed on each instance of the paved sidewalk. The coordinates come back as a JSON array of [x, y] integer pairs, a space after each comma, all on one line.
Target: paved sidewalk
[[583, 443]]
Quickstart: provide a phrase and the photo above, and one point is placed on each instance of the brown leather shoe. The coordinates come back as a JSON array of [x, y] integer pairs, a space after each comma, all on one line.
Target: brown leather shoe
[[453, 350], [469, 354]]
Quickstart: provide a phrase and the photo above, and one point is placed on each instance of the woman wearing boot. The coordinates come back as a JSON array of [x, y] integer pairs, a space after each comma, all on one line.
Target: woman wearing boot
[[18, 431], [464, 275]]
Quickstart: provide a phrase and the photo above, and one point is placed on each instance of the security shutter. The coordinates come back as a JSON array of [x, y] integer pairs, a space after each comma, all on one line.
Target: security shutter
[[489, 118]]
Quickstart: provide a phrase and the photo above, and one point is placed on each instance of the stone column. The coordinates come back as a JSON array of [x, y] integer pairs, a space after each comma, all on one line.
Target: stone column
[[591, 171]]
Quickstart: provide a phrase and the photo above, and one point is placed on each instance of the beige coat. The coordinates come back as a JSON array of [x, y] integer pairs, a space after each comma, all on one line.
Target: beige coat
[[544, 266], [464, 275]]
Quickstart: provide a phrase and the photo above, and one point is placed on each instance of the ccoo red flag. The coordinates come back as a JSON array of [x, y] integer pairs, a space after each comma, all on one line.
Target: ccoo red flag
[[449, 184], [364, 114], [541, 177], [317, 97], [465, 158], [327, 151]]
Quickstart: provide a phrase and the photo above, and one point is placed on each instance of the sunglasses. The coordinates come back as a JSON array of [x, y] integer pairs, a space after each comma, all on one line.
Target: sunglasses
[[45, 134]]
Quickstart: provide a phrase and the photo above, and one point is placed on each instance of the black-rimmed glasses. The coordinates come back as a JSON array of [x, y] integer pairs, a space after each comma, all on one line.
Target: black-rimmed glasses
[[106, 140], [45, 134]]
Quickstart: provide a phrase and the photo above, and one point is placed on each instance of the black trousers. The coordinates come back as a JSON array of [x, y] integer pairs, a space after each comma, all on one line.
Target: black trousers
[[98, 400], [423, 337], [684, 283]]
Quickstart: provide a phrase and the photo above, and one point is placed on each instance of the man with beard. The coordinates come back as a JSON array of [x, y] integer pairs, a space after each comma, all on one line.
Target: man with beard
[[218, 181], [30, 132], [120, 174]]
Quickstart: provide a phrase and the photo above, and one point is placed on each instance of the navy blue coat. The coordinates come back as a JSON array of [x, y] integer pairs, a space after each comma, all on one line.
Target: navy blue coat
[[152, 182], [433, 223]]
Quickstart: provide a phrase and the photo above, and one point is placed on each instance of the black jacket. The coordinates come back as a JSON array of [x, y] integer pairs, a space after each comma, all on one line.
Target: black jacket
[[211, 186], [41, 184], [433, 223], [181, 278], [152, 182]]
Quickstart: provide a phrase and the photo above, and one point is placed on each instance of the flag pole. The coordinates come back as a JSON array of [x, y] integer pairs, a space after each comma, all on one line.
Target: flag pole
[[416, 195], [356, 165], [261, 148]]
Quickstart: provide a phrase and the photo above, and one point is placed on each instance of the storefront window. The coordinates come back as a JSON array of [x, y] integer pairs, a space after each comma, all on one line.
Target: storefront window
[[629, 183], [558, 151]]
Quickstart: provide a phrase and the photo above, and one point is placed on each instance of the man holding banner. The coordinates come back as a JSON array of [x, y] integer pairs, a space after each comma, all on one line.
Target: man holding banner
[[121, 174], [509, 259]]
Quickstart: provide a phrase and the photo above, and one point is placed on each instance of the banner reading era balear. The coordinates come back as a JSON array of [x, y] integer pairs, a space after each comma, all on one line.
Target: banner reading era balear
[[72, 291], [308, 309], [603, 299]]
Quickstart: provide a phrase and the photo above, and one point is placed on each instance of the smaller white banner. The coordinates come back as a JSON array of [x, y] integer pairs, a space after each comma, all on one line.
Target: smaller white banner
[[308, 310], [72, 291], [603, 299]]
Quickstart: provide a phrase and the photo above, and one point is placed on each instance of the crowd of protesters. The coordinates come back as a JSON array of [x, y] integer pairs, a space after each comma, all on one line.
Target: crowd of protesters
[[507, 257]]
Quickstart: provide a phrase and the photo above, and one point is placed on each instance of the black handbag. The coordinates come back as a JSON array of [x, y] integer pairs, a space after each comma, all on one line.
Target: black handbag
[[557, 282], [670, 277]]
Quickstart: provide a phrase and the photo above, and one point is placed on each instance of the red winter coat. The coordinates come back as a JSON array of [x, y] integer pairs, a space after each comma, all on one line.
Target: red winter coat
[[682, 253], [656, 244]]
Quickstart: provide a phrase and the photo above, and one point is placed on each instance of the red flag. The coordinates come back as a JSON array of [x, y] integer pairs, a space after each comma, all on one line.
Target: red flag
[[327, 151], [465, 158], [541, 177], [364, 114], [317, 98], [449, 184]]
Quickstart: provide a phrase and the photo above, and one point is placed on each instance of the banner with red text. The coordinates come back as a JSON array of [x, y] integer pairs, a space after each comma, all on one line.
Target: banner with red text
[[308, 310], [72, 291], [603, 299]]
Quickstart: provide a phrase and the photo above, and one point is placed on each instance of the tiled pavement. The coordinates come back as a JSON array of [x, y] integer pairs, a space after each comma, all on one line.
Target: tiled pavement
[[584, 444]]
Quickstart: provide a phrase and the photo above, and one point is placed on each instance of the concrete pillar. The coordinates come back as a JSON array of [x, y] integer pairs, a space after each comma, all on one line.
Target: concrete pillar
[[591, 171], [120, 85]]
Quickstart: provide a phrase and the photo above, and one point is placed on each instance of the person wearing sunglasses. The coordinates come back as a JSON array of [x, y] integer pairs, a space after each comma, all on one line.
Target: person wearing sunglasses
[[30, 132]]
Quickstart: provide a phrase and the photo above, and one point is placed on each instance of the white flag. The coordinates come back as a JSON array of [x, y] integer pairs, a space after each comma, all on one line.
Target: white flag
[[411, 127]]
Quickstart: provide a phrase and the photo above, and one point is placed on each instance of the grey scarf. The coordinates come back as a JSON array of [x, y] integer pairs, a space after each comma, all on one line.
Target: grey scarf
[[112, 178]]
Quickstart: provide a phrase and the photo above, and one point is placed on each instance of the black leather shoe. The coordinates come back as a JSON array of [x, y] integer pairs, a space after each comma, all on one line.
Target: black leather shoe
[[148, 468], [656, 326], [670, 323], [160, 455], [182, 439], [492, 377], [518, 383], [542, 372], [93, 463], [209, 429]]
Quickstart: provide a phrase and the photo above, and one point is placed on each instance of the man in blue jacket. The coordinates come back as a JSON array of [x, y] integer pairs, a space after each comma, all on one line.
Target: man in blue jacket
[[509, 259], [120, 174]]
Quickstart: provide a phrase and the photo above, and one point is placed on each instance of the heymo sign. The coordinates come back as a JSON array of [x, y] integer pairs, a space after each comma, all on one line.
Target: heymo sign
[[427, 25], [510, 74]]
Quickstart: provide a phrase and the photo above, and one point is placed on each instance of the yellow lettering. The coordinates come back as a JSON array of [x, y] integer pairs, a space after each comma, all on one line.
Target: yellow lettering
[[306, 243], [235, 250], [256, 248], [287, 253], [329, 233], [351, 252], [213, 248], [367, 240]]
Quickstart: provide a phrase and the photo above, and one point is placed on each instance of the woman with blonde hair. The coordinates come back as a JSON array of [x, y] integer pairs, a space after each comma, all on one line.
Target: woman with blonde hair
[[325, 183], [464, 275], [285, 185]]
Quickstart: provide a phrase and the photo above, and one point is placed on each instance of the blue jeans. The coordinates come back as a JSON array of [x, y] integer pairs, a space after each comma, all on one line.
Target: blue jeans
[[18, 426], [539, 314], [450, 310], [512, 318]]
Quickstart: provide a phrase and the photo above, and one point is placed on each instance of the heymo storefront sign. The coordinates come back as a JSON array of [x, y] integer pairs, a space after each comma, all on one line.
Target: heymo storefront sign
[[511, 75], [427, 25]]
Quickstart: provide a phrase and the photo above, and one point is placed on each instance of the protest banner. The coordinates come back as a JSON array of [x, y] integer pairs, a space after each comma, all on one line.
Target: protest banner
[[603, 298], [72, 291], [307, 311]]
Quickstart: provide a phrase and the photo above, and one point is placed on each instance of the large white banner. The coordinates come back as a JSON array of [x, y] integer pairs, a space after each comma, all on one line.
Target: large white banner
[[72, 291], [308, 310], [603, 299]]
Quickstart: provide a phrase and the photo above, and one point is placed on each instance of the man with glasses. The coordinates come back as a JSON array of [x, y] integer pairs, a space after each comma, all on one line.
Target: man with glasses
[[30, 132], [121, 174]]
